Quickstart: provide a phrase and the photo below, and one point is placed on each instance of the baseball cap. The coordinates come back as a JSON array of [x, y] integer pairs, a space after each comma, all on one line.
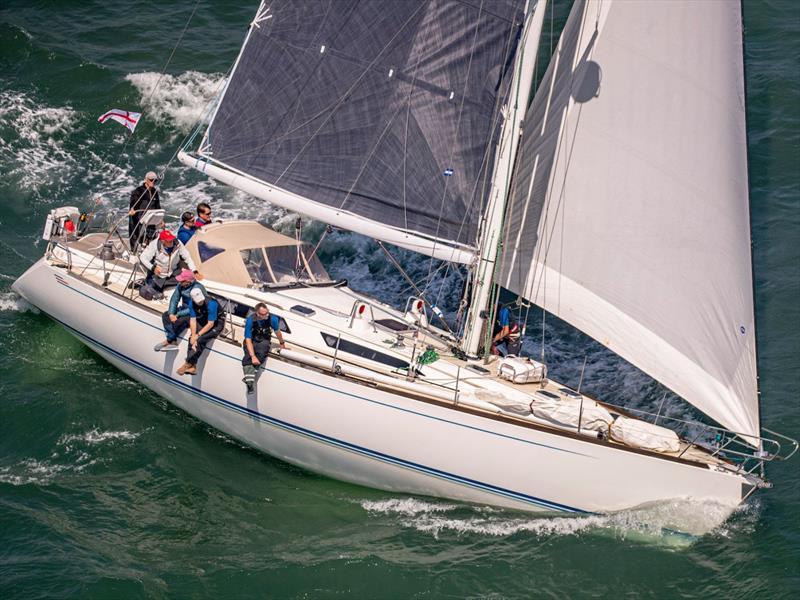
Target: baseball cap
[[166, 235], [151, 175], [185, 275], [197, 295]]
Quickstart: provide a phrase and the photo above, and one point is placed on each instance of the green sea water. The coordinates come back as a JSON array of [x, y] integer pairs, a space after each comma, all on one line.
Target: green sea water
[[107, 491]]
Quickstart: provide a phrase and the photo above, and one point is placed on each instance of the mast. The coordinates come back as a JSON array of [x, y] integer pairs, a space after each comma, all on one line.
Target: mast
[[490, 243]]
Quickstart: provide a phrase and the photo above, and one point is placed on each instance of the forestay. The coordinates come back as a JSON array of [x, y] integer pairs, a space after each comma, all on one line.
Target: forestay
[[383, 111], [629, 213]]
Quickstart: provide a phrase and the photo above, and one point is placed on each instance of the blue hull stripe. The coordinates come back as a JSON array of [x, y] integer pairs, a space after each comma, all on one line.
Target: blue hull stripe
[[370, 400], [519, 496]]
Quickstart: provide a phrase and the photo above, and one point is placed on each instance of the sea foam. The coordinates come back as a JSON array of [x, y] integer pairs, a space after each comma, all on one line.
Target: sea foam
[[11, 302], [32, 151], [177, 100], [671, 523]]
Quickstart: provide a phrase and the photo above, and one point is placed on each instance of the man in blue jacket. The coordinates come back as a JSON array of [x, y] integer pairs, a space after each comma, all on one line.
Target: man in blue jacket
[[206, 321], [258, 330], [187, 228], [501, 331], [176, 318]]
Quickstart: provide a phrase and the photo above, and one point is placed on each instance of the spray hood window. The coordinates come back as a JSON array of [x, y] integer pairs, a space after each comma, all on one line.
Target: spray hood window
[[283, 264]]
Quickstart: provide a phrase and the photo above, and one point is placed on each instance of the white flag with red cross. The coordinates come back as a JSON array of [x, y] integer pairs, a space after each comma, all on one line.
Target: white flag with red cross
[[126, 117]]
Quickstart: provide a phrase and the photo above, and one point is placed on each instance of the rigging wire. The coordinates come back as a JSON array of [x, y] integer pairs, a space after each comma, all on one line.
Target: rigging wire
[[161, 76], [483, 180], [495, 292], [147, 102], [457, 128], [347, 95], [405, 275]]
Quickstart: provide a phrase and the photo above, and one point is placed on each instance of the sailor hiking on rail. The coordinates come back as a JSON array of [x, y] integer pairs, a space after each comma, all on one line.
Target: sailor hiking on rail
[[206, 321], [258, 330], [176, 317]]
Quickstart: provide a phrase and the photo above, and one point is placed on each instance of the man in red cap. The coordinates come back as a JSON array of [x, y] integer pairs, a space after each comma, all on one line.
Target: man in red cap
[[162, 260]]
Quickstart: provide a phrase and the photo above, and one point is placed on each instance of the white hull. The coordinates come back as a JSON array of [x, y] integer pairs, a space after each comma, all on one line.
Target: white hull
[[356, 433]]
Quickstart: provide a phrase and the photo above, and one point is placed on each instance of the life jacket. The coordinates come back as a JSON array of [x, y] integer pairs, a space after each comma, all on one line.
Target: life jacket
[[514, 331], [262, 330], [201, 312]]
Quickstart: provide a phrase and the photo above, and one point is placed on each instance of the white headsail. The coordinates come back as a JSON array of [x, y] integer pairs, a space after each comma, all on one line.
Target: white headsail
[[629, 214]]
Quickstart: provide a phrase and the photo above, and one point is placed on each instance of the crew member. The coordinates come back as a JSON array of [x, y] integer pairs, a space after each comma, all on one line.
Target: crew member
[[187, 228], [162, 259], [143, 198], [506, 334], [203, 215], [258, 330], [176, 317], [206, 321]]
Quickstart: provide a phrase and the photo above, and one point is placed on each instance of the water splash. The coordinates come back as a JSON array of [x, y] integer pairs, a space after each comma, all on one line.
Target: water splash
[[11, 302], [74, 453], [31, 140], [179, 100], [669, 523], [95, 436]]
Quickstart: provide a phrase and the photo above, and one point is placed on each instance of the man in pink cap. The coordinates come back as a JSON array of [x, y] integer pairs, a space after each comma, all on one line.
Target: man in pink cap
[[162, 259], [176, 318]]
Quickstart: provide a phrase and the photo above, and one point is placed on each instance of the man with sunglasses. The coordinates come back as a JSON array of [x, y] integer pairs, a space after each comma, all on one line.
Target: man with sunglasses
[[143, 198], [203, 215], [258, 330]]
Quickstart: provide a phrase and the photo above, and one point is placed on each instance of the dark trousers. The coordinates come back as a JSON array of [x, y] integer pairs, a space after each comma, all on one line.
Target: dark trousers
[[159, 283], [133, 231], [174, 330], [261, 350], [194, 355]]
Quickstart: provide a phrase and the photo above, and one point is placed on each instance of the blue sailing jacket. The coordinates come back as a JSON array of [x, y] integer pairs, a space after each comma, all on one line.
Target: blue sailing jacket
[[181, 295]]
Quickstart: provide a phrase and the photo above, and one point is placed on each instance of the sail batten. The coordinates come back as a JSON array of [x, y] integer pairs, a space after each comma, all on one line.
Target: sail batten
[[386, 110], [629, 214]]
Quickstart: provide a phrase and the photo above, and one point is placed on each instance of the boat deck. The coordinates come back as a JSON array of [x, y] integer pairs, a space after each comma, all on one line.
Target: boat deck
[[468, 373]]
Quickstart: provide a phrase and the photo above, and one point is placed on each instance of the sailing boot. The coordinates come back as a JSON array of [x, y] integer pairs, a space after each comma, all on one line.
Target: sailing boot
[[186, 368], [249, 378]]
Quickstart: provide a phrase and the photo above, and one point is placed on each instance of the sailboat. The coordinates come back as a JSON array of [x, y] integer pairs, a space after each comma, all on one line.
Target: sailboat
[[615, 198]]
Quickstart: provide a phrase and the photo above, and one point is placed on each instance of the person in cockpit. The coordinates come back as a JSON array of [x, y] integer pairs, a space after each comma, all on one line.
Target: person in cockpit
[[162, 259]]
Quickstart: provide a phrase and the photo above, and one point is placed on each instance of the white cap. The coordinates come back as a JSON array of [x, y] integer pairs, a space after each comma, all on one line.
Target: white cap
[[151, 175], [197, 295]]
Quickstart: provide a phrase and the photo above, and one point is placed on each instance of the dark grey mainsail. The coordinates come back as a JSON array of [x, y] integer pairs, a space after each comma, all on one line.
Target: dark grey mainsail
[[385, 109]]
